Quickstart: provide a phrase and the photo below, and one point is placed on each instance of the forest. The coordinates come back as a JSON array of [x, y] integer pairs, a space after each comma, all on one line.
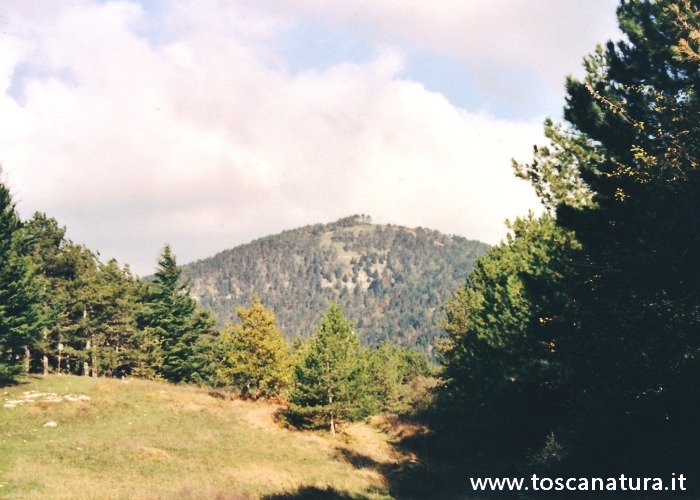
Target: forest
[[571, 348]]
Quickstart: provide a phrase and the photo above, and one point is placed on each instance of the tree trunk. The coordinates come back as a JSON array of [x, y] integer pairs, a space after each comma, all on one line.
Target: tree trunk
[[330, 403], [44, 357], [93, 359], [27, 357], [86, 365]]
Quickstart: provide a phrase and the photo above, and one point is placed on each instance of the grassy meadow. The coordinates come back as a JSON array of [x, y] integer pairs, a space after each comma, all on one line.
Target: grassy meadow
[[136, 438]]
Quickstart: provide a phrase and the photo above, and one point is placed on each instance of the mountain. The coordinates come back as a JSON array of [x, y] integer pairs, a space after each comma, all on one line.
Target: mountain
[[391, 280]]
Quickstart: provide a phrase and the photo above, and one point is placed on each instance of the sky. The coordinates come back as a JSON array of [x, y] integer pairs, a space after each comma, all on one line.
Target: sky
[[208, 124]]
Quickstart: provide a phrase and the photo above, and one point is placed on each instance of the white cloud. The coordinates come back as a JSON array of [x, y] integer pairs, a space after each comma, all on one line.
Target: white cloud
[[195, 139], [545, 38], [539, 35]]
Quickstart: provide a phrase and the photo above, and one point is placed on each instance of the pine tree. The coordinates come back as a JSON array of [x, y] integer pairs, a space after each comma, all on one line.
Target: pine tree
[[326, 375], [21, 315], [256, 357], [76, 289], [623, 176], [110, 321], [72, 273], [501, 369], [43, 240], [173, 317]]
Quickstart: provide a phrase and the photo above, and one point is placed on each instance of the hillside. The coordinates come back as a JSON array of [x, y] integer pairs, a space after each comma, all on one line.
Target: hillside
[[391, 280], [109, 438]]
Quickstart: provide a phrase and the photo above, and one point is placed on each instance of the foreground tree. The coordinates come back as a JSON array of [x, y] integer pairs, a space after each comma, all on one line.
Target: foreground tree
[[325, 377], [256, 356], [502, 375], [21, 293], [171, 319], [618, 309], [73, 300], [633, 344], [43, 241]]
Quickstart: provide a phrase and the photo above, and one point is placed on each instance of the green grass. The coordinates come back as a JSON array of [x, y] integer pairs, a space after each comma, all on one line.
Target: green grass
[[147, 439]]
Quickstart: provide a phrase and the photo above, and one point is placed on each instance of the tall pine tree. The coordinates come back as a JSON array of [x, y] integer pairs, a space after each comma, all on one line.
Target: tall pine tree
[[615, 306], [325, 377], [173, 318], [502, 375], [43, 240], [21, 315], [111, 321], [633, 345]]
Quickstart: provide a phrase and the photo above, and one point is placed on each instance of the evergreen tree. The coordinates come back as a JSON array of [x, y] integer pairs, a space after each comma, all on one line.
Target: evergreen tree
[[256, 356], [172, 317], [501, 371], [21, 315], [72, 274], [76, 291], [325, 377], [146, 353], [111, 321], [586, 339], [90, 306], [43, 240], [632, 146]]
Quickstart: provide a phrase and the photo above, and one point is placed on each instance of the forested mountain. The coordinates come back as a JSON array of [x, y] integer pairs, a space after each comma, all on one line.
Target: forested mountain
[[390, 280]]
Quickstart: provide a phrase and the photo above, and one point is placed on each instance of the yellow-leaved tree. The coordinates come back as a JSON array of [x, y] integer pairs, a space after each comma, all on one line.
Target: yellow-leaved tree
[[256, 360]]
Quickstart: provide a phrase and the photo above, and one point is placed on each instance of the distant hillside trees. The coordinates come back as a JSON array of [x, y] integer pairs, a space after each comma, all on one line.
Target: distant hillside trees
[[254, 355], [391, 279]]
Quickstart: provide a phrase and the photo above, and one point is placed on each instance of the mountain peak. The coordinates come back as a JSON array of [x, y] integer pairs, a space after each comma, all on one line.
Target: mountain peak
[[352, 220]]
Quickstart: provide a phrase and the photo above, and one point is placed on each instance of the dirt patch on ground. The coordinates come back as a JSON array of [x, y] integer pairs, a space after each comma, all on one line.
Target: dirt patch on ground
[[31, 397], [259, 415], [151, 453]]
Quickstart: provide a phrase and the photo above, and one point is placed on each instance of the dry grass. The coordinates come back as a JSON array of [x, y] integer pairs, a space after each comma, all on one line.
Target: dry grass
[[141, 439]]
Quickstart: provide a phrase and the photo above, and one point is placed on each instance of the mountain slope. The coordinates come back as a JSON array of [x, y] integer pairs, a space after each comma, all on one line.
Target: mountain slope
[[390, 280]]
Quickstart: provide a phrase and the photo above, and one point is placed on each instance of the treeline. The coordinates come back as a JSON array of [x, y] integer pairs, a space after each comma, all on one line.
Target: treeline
[[574, 346], [62, 310]]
